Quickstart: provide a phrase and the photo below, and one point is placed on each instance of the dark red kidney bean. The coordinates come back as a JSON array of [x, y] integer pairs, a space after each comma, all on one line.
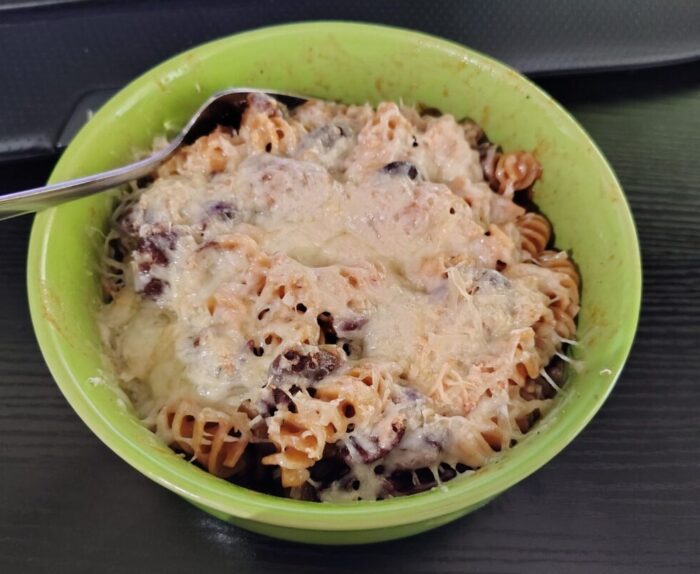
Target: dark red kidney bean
[[402, 481], [154, 288], [154, 246], [325, 323], [154, 253], [401, 168], [348, 325], [308, 493], [555, 370], [280, 397], [314, 366], [222, 209], [328, 470]]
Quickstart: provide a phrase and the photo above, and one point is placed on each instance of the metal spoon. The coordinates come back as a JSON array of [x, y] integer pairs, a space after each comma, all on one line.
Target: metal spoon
[[224, 108]]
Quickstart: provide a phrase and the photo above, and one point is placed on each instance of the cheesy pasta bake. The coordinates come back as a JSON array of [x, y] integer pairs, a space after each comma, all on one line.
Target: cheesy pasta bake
[[338, 302]]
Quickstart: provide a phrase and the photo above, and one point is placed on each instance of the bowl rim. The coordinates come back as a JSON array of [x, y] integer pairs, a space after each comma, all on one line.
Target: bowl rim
[[264, 508]]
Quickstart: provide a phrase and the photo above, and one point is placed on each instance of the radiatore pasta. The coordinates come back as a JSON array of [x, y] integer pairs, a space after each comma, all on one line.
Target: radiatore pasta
[[338, 302]]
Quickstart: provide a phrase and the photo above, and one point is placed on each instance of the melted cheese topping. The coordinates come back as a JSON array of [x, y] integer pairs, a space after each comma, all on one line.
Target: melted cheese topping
[[367, 236]]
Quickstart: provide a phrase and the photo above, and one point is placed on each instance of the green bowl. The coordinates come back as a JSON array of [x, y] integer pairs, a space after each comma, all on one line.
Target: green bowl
[[353, 63]]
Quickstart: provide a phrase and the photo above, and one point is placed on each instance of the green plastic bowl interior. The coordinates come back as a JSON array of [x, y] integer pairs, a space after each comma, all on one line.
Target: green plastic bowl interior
[[353, 63]]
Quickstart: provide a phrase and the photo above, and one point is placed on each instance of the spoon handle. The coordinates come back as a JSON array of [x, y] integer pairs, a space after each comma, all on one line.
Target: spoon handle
[[31, 200]]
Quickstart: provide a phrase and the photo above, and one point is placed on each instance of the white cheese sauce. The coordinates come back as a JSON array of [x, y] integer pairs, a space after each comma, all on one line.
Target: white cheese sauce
[[369, 233]]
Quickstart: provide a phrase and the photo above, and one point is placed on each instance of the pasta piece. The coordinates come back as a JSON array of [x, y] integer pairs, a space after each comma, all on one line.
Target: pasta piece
[[315, 114], [516, 171], [528, 362], [555, 277], [565, 309], [300, 445], [351, 403], [300, 436], [547, 340], [210, 154], [264, 127], [386, 137], [535, 232], [493, 427], [358, 403], [215, 439], [559, 261]]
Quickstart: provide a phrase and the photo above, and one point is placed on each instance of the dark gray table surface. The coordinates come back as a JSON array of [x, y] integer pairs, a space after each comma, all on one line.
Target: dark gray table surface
[[623, 497], [59, 55]]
